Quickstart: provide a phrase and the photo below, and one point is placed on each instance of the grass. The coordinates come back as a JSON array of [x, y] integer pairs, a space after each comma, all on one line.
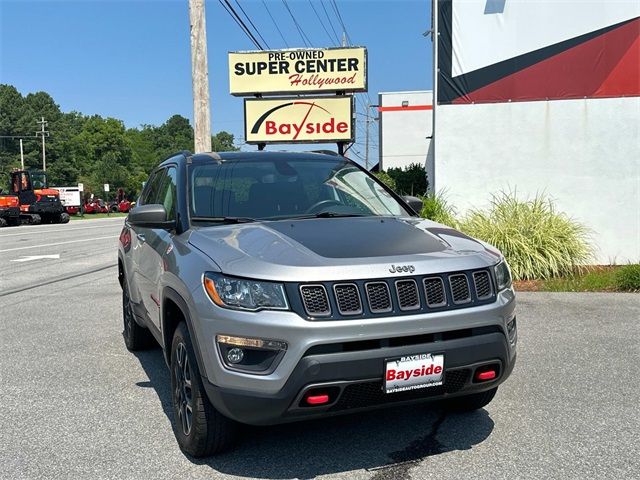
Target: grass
[[93, 216], [436, 207], [598, 278], [538, 241]]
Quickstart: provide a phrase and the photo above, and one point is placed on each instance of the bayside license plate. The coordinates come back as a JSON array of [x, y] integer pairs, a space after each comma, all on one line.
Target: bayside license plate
[[411, 372]]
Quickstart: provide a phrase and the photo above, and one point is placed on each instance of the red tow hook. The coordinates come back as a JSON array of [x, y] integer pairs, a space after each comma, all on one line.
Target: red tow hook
[[318, 399]]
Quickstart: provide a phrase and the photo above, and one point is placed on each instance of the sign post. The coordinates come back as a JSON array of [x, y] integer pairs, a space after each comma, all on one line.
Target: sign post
[[81, 190], [106, 191]]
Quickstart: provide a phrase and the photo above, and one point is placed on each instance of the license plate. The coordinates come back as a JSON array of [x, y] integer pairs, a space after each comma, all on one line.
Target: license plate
[[411, 372]]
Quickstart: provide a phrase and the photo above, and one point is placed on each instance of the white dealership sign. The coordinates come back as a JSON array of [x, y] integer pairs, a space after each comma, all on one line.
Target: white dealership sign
[[69, 196]]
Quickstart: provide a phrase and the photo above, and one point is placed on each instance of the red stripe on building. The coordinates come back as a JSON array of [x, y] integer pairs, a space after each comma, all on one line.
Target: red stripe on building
[[605, 66], [408, 108]]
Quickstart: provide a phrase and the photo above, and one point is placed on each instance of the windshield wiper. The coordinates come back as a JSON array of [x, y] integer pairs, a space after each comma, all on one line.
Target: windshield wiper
[[224, 219], [322, 215]]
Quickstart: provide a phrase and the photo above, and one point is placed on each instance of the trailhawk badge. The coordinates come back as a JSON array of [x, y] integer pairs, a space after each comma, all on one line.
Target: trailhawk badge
[[292, 120]]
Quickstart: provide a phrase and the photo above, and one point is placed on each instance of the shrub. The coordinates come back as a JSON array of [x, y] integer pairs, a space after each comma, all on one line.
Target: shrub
[[386, 179], [537, 241], [436, 207], [411, 180], [628, 278]]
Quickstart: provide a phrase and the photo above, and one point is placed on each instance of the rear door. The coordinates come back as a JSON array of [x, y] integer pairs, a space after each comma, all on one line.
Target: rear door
[[154, 245]]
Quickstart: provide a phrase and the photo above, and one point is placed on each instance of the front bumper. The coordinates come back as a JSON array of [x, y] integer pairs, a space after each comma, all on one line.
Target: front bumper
[[354, 381], [348, 357]]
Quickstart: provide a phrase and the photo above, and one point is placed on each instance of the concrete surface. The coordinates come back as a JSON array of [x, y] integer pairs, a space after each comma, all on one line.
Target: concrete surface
[[76, 404]]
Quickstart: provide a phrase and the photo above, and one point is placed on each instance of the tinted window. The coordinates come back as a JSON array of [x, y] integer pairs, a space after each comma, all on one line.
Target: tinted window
[[167, 192], [274, 187], [150, 192]]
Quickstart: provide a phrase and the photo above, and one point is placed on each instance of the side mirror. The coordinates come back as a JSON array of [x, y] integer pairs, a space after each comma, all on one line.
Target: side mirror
[[414, 203], [150, 216]]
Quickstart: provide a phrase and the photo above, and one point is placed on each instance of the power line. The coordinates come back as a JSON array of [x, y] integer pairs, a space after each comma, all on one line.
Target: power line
[[275, 24], [330, 22], [321, 22], [230, 10], [305, 39], [337, 11], [252, 24]]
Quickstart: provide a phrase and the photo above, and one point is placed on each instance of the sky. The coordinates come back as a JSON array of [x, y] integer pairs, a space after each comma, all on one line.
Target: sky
[[130, 59]]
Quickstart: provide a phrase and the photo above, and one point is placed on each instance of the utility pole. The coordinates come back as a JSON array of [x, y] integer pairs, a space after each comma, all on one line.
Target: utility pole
[[200, 77], [366, 140], [43, 133], [21, 155]]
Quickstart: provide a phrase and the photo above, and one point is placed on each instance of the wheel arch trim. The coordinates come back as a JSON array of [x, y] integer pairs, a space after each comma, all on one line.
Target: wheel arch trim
[[169, 293]]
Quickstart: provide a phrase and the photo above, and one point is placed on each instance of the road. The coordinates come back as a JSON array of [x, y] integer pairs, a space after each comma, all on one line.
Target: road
[[75, 404]]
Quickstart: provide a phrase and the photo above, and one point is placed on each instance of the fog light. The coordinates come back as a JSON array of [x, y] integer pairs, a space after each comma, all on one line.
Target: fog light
[[250, 355], [235, 355]]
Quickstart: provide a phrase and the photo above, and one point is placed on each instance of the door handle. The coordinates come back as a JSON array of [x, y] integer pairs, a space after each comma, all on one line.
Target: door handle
[[141, 237]]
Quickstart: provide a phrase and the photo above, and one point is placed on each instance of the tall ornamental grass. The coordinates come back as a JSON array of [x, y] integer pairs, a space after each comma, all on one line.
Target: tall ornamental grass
[[436, 207], [537, 241]]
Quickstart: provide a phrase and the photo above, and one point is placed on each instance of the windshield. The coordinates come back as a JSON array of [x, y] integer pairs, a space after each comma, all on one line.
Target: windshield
[[277, 188]]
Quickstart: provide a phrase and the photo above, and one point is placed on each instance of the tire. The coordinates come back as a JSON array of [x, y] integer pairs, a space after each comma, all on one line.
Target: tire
[[469, 403], [64, 218], [3, 222], [35, 219], [135, 336], [199, 428]]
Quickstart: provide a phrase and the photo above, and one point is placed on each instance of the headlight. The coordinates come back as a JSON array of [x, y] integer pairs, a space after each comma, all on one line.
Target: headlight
[[243, 294], [503, 275]]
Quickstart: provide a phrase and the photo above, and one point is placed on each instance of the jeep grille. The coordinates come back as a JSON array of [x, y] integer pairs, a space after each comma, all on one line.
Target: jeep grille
[[396, 296], [315, 300], [348, 298], [434, 292], [482, 283], [408, 297], [378, 297], [460, 288]]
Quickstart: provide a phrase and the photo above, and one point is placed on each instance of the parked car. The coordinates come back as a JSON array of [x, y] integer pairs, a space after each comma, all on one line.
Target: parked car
[[291, 286], [72, 210]]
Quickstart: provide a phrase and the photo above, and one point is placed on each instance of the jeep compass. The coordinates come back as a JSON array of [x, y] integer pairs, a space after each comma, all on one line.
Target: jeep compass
[[290, 286]]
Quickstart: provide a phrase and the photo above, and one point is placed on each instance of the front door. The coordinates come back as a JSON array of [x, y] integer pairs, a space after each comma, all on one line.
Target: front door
[[154, 243]]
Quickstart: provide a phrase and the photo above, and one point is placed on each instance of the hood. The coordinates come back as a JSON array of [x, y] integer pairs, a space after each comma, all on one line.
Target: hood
[[323, 249]]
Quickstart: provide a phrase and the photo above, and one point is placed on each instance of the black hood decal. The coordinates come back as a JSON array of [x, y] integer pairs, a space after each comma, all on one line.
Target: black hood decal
[[359, 237]]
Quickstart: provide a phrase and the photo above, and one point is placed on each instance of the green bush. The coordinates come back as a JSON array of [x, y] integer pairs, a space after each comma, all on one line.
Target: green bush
[[537, 241], [410, 180], [386, 179], [628, 278], [436, 207]]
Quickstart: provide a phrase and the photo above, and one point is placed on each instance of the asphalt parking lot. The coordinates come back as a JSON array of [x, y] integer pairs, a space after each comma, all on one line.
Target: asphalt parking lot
[[75, 404]]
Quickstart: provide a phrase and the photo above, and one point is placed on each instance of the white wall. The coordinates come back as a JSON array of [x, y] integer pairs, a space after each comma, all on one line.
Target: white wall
[[585, 154], [404, 134]]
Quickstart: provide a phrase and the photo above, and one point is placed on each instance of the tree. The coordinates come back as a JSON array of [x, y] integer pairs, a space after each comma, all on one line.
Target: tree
[[411, 180], [223, 142], [89, 149]]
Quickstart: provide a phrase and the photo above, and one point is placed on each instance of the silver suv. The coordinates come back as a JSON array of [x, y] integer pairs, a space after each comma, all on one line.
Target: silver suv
[[288, 286]]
